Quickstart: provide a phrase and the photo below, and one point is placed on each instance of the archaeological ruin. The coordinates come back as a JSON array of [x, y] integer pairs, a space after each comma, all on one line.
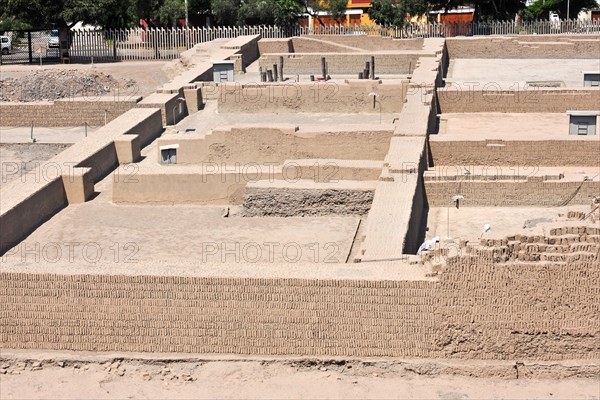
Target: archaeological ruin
[[323, 196]]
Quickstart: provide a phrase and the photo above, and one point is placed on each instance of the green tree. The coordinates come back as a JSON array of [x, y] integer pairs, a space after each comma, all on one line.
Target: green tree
[[170, 11], [256, 12], [66, 13], [225, 11], [540, 9], [396, 12], [498, 10]]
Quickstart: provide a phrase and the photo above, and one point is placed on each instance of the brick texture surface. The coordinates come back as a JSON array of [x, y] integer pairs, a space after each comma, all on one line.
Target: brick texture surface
[[456, 99], [477, 309], [63, 112], [518, 153]]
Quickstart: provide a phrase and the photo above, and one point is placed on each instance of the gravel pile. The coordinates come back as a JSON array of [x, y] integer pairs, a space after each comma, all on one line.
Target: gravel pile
[[48, 85]]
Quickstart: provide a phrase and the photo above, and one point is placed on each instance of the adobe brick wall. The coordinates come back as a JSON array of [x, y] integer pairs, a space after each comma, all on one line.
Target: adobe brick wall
[[318, 45], [246, 47], [249, 145], [350, 96], [456, 99], [374, 43], [348, 63], [275, 46], [27, 203], [336, 43], [62, 113], [476, 310], [45, 196], [550, 153], [511, 193], [549, 47]]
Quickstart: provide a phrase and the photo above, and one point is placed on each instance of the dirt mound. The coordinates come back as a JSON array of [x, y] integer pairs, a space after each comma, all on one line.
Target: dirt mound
[[48, 85]]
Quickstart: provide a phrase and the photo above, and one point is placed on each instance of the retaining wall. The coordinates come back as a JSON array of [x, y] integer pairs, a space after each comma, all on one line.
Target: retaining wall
[[373, 43], [212, 183], [342, 64], [533, 191], [349, 96], [476, 310], [65, 112], [28, 202], [457, 99], [557, 153], [256, 144], [279, 198], [549, 47]]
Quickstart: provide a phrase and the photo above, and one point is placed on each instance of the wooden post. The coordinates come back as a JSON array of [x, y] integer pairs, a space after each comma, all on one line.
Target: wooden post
[[269, 75], [372, 67], [281, 68], [323, 67], [367, 69], [275, 74]]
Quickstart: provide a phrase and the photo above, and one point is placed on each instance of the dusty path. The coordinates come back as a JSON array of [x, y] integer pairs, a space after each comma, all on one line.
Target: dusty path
[[255, 379]]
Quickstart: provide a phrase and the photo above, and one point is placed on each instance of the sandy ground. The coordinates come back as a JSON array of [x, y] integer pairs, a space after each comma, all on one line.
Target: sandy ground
[[467, 222], [148, 75], [516, 72], [18, 159], [45, 135], [209, 118], [154, 233], [268, 380]]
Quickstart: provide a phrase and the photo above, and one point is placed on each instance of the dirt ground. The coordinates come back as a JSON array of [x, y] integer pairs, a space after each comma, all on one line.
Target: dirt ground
[[17, 159], [267, 380], [467, 222]]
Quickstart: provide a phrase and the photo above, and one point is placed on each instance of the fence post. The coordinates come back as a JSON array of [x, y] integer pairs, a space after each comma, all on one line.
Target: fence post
[[114, 45], [29, 47]]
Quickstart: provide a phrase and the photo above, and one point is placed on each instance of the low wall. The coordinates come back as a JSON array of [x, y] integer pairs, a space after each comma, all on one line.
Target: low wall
[[45, 197], [303, 198], [66, 112], [28, 202], [534, 192], [172, 110], [370, 43], [244, 46], [350, 96], [457, 99], [202, 185], [558, 153], [549, 47], [306, 44], [342, 64], [275, 46], [336, 43], [255, 144], [214, 184], [475, 310]]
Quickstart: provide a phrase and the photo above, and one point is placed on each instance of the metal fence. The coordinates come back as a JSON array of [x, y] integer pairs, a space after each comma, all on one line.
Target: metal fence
[[27, 47], [160, 43]]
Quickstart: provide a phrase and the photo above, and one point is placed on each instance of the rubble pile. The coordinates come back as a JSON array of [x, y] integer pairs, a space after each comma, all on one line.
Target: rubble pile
[[49, 85]]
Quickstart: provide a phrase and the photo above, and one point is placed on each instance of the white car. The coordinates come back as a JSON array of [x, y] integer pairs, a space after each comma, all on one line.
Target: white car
[[53, 39], [5, 44]]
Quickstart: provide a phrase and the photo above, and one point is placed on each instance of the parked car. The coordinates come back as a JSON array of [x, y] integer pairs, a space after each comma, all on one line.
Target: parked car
[[5, 44], [53, 39]]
